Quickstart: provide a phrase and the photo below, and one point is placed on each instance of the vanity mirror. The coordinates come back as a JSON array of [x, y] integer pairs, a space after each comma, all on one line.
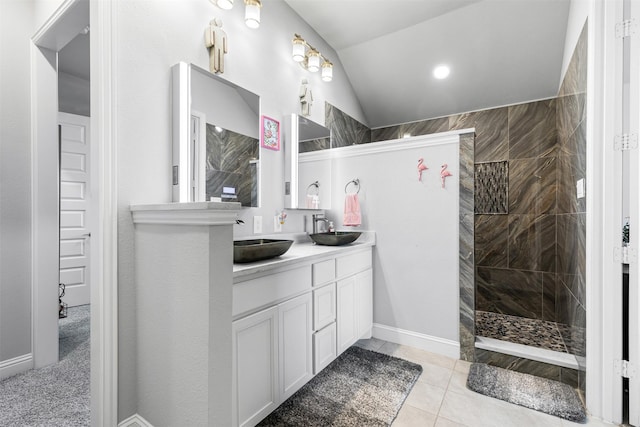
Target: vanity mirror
[[215, 138], [308, 164]]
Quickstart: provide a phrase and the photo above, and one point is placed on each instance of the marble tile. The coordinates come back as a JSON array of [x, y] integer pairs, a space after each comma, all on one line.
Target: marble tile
[[514, 292], [575, 283], [345, 130], [532, 186], [569, 376], [458, 383], [373, 344], [576, 143], [314, 145], [571, 168], [572, 110], [416, 355], [462, 366], [410, 416], [491, 188], [426, 397], [422, 127], [532, 242], [243, 183], [532, 130], [571, 244], [491, 239], [549, 289], [466, 247], [229, 151], [473, 409], [386, 133], [443, 422], [491, 126], [435, 375]]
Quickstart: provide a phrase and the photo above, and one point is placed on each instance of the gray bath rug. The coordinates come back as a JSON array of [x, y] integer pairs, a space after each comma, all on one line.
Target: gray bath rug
[[359, 388], [541, 394]]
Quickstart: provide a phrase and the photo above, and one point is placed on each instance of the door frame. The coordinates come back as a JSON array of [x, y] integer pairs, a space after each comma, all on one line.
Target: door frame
[[634, 211], [104, 320]]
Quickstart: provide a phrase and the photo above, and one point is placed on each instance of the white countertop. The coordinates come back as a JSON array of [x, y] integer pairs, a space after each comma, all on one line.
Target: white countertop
[[302, 252]]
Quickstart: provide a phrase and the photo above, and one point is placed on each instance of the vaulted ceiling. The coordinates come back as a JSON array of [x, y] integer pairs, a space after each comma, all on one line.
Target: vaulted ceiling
[[500, 52]]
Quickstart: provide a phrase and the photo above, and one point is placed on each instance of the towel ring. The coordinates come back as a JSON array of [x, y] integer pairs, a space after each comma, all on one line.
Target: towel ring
[[356, 182], [314, 184]]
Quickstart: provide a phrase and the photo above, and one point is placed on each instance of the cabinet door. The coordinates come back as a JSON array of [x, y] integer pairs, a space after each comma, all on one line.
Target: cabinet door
[[296, 353], [347, 321], [255, 370], [364, 301], [324, 306], [324, 347]]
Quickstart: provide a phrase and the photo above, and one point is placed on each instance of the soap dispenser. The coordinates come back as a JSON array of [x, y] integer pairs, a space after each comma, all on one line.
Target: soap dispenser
[[331, 228]]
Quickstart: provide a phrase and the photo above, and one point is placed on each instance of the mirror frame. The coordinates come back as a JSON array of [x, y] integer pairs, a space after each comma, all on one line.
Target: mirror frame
[[292, 162], [188, 163]]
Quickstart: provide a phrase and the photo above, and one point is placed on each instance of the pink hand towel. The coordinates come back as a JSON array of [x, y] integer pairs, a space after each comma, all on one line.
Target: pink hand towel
[[352, 214]]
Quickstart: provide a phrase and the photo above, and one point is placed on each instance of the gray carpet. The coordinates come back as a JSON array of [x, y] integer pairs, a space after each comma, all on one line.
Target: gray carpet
[[56, 395], [541, 394], [360, 388]]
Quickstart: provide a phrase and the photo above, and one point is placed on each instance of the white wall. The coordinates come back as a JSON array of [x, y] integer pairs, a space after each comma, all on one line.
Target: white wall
[[16, 28], [416, 223], [578, 13], [152, 36]]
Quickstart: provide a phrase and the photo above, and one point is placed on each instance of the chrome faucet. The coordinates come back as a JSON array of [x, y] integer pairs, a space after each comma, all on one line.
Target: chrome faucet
[[316, 218]]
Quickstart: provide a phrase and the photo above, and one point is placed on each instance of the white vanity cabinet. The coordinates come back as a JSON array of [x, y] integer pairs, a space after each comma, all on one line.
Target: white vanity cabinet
[[354, 299], [255, 370], [291, 323]]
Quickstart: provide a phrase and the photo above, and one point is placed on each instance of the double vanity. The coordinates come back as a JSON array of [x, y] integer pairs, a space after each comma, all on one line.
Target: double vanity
[[260, 329]]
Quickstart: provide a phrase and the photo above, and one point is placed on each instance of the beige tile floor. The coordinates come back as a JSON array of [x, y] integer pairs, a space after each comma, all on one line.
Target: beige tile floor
[[440, 397]]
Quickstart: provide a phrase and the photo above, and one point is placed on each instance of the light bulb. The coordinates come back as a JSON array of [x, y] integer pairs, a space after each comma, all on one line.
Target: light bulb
[[313, 62], [298, 49], [252, 13], [327, 71], [224, 4]]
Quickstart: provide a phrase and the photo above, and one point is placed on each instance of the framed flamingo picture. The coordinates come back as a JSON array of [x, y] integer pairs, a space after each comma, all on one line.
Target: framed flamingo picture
[[270, 133]]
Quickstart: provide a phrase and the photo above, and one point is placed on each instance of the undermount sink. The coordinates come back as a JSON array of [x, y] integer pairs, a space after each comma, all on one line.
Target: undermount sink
[[259, 249], [335, 238]]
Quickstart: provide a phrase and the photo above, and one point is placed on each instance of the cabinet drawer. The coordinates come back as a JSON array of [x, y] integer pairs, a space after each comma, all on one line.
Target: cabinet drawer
[[271, 289], [354, 263], [324, 272], [324, 306], [324, 347]]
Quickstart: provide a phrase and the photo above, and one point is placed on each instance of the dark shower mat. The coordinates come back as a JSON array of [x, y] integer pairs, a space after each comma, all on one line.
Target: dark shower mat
[[541, 394]]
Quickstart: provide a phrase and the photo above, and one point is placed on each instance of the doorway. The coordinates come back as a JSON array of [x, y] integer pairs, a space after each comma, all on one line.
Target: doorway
[[71, 17]]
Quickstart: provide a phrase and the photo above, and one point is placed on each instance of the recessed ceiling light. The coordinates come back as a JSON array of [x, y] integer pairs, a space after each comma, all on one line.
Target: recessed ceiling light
[[441, 72]]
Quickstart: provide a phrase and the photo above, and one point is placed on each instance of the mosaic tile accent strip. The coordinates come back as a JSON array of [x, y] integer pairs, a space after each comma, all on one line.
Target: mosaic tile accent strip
[[492, 188], [520, 330]]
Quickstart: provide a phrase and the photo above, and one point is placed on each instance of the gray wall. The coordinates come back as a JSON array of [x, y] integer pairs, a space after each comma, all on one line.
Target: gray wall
[[16, 28]]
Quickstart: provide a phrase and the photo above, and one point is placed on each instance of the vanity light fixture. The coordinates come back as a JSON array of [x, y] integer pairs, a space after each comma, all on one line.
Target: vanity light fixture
[[310, 58], [252, 13], [223, 4]]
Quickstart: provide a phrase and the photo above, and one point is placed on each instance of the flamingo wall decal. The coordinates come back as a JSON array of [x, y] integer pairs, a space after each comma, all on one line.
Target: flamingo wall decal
[[444, 173], [421, 167]]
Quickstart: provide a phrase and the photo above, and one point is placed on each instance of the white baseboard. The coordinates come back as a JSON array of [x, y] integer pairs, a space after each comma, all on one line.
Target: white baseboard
[[414, 339], [16, 365], [135, 421]]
